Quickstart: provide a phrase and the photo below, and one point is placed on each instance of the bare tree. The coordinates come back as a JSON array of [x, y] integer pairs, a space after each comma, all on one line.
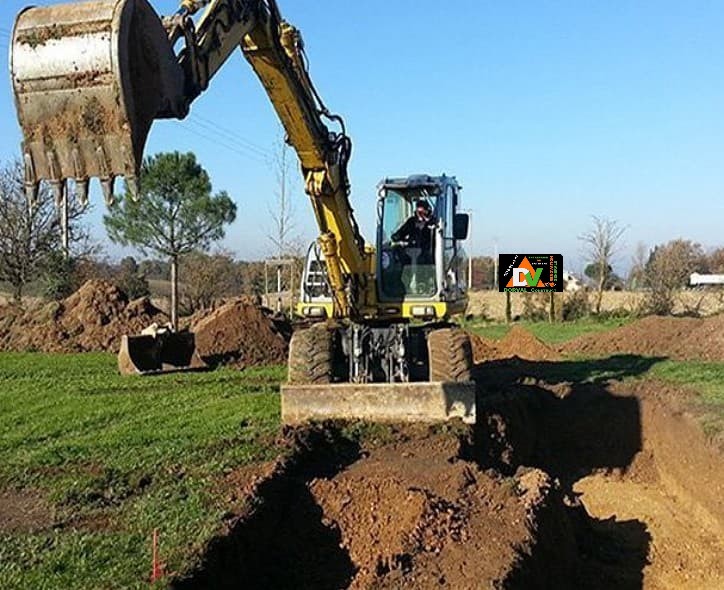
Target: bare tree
[[668, 270], [716, 261], [637, 273], [283, 211], [287, 245], [31, 239], [601, 244], [208, 278]]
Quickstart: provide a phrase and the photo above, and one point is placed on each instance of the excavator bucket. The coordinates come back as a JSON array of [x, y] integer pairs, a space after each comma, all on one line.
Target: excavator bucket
[[89, 79], [150, 354]]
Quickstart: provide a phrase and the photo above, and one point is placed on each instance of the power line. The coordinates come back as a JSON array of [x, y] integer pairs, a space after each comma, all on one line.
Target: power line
[[242, 139], [232, 137], [204, 132], [223, 143]]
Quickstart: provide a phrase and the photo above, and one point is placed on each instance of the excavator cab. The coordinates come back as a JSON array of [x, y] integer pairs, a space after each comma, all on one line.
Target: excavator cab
[[420, 257], [423, 279]]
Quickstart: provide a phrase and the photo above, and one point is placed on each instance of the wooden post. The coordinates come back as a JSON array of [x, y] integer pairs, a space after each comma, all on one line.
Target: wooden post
[[552, 309], [508, 308], [174, 293]]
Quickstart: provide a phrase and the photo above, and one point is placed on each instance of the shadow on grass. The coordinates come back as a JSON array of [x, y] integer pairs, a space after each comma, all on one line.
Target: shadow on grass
[[599, 370]]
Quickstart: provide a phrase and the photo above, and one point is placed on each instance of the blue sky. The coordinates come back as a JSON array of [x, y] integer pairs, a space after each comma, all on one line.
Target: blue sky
[[547, 112]]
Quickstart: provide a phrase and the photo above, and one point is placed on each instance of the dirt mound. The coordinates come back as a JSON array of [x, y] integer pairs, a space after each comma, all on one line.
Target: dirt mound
[[518, 342], [241, 334], [676, 338], [413, 516], [406, 514], [91, 319]]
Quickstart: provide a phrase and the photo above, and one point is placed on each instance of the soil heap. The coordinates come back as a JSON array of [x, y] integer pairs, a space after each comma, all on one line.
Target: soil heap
[[518, 342], [241, 334], [92, 319], [676, 338], [409, 514]]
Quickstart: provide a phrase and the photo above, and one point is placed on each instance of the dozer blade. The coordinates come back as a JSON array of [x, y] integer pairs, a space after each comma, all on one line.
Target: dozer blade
[[379, 402], [164, 353], [89, 78]]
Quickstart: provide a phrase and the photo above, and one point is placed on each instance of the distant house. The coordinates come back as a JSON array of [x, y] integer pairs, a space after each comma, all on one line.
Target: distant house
[[571, 283], [699, 280]]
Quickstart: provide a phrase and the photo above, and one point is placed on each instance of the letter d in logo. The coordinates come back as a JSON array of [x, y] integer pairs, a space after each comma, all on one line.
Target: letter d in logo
[[519, 277]]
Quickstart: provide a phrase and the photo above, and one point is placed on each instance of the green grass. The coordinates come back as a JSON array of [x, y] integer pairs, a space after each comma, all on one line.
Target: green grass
[[550, 333], [707, 379], [117, 457], [133, 454]]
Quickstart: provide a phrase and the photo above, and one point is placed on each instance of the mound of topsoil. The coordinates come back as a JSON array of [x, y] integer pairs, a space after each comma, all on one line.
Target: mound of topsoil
[[410, 514], [676, 338], [241, 334], [518, 342], [91, 319]]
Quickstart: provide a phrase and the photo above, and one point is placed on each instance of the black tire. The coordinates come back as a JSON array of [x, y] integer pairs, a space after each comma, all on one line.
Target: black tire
[[311, 356], [450, 355]]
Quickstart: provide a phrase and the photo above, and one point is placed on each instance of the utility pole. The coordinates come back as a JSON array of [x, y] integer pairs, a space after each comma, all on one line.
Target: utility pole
[[495, 264], [64, 227], [470, 247]]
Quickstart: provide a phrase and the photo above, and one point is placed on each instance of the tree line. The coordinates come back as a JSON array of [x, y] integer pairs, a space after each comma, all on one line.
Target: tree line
[[174, 224]]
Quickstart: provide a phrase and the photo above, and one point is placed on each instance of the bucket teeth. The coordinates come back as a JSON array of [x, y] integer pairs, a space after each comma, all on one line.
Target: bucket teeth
[[57, 188], [107, 186], [134, 188], [89, 80], [31, 192], [81, 190]]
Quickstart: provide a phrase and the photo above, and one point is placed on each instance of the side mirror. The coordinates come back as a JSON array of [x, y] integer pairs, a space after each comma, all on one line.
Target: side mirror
[[461, 225]]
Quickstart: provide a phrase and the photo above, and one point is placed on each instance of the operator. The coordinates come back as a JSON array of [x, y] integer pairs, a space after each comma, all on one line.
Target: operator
[[418, 230]]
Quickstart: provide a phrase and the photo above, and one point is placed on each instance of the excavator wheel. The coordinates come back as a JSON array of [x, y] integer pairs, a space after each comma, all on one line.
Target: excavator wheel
[[450, 355], [312, 356]]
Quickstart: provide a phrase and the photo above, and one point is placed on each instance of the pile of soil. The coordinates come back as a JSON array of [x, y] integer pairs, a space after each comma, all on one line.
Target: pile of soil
[[92, 319], [412, 515], [241, 334], [518, 342], [676, 338], [407, 514]]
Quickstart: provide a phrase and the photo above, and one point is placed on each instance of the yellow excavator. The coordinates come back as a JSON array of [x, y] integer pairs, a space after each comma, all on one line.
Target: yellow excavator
[[91, 77]]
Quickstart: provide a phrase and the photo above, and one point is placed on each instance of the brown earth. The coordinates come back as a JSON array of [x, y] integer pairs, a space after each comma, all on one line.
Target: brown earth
[[568, 480], [241, 334], [92, 319], [676, 338], [23, 512], [518, 342], [407, 514], [631, 455], [96, 316]]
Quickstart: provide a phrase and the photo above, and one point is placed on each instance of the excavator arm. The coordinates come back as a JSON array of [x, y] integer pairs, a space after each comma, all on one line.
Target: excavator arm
[[90, 79]]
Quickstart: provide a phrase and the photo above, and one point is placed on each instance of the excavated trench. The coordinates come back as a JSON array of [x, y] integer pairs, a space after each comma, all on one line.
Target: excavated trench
[[559, 485]]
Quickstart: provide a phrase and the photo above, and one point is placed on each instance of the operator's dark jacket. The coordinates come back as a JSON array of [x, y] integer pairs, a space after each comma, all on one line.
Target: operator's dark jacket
[[419, 234]]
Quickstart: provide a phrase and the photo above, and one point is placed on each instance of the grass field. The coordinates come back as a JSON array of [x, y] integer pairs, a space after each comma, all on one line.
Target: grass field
[[114, 458], [550, 333], [106, 460], [707, 379]]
